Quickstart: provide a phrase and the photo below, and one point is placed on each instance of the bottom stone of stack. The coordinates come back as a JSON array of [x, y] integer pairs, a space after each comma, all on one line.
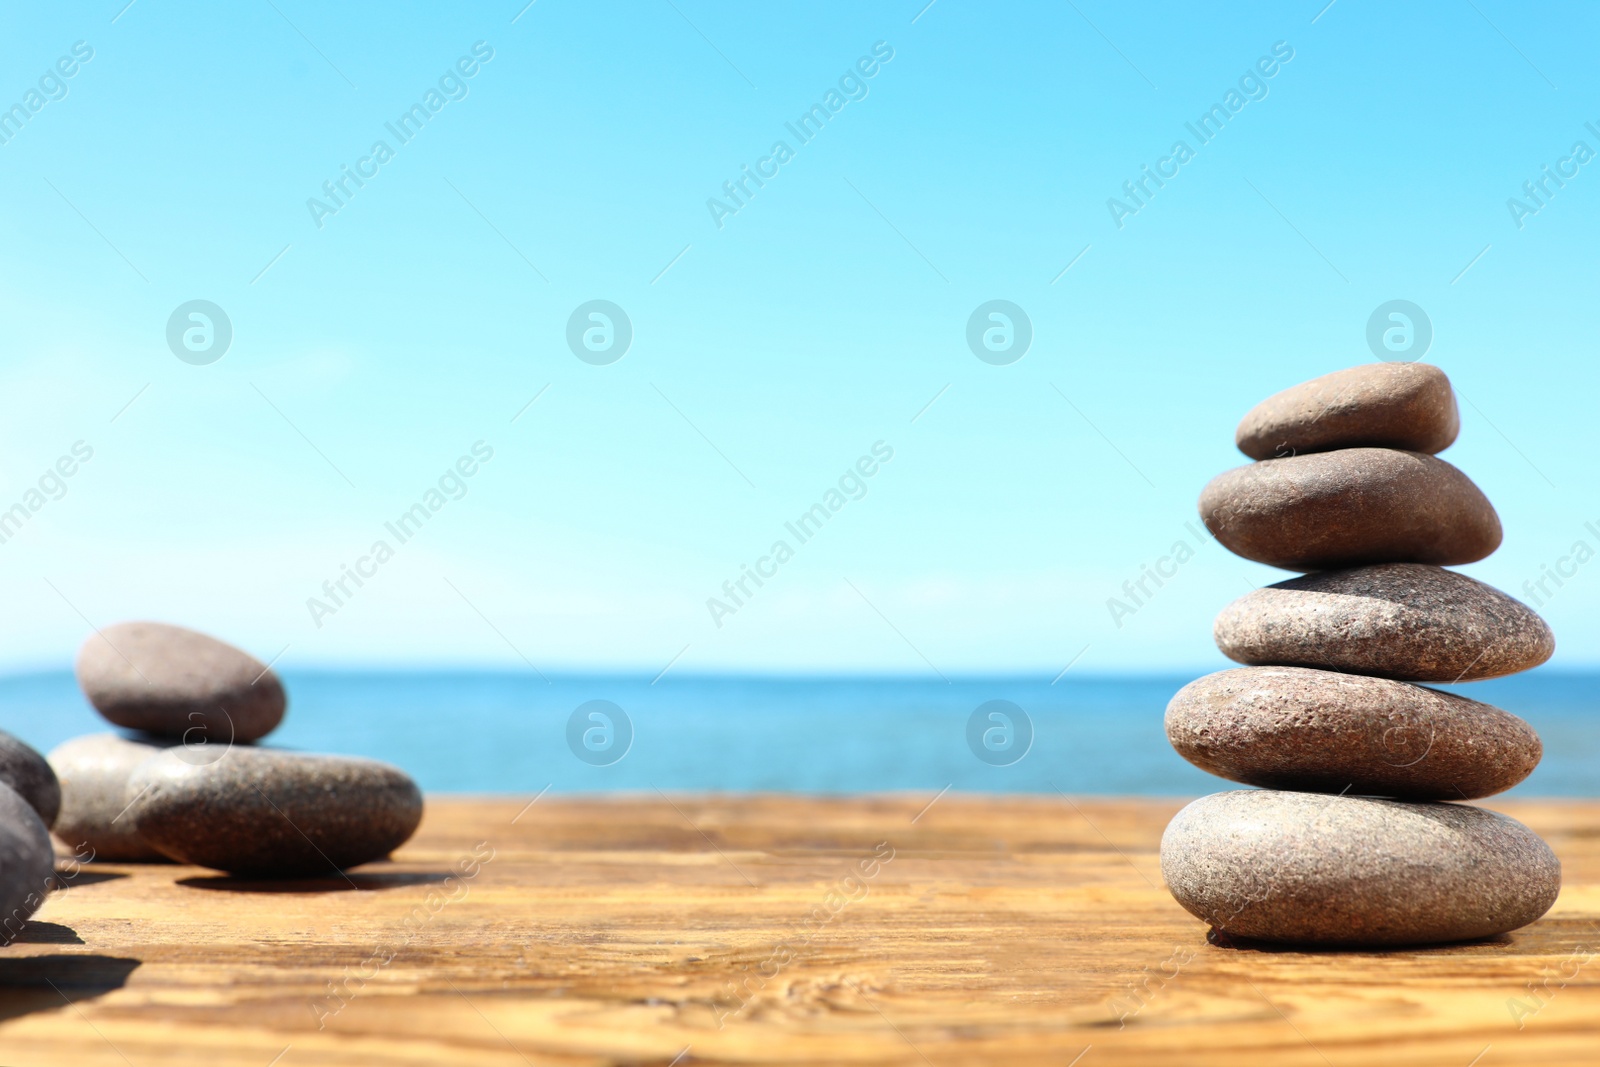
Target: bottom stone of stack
[[1312, 869]]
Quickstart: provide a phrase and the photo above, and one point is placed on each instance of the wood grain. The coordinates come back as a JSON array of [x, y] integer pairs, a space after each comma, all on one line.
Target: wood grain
[[649, 930]]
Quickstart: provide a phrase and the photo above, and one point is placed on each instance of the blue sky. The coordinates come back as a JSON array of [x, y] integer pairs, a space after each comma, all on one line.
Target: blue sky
[[370, 353]]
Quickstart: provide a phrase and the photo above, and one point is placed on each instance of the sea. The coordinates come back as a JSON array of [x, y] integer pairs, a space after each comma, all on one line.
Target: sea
[[489, 732]]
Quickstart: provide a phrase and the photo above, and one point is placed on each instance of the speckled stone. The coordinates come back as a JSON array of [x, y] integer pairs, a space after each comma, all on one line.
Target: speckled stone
[[1379, 405], [1312, 869], [94, 771], [27, 863], [30, 775], [274, 813], [174, 682], [1324, 732], [1396, 620], [1350, 507]]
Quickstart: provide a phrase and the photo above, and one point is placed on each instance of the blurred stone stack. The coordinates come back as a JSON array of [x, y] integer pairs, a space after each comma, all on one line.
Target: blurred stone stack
[[1352, 840], [190, 785]]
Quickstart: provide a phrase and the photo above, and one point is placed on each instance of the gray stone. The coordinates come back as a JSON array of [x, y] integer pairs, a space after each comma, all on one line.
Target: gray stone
[[30, 775], [94, 771], [27, 863], [274, 813], [1379, 405], [1307, 868], [1396, 620], [1319, 731], [1350, 507], [174, 682]]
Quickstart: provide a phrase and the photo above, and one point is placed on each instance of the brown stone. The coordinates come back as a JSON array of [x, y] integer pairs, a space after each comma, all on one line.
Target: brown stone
[[27, 863], [1312, 869], [1376, 405], [1346, 508], [273, 813], [93, 771], [1324, 732], [1395, 620], [30, 775], [167, 680]]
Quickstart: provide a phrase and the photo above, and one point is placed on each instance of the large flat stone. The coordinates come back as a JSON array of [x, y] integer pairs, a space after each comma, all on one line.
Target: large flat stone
[[1312, 869], [273, 813]]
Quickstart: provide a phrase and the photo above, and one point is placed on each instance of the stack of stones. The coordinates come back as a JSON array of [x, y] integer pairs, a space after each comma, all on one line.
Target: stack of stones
[[1351, 839], [188, 782]]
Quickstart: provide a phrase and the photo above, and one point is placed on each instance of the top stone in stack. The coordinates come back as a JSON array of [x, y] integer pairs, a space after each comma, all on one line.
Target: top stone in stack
[[1347, 843], [169, 681], [1348, 476]]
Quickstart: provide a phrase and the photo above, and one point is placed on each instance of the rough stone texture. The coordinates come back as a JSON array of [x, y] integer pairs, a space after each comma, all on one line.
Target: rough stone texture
[[1396, 620], [175, 682], [94, 774], [27, 863], [26, 771], [1293, 728], [1379, 405], [1346, 508], [1312, 869], [273, 813]]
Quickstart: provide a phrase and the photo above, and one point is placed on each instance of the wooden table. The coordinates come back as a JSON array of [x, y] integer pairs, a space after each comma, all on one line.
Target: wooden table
[[884, 930]]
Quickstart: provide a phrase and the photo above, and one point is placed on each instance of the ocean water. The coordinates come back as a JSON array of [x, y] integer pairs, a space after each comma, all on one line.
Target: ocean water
[[511, 732]]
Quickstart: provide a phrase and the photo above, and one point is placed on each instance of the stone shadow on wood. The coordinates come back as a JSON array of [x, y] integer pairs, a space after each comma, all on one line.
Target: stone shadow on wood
[[1217, 939], [86, 877], [35, 932], [43, 983], [333, 883]]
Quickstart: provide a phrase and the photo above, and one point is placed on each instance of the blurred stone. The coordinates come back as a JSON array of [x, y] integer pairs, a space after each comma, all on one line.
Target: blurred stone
[[174, 682], [94, 771], [273, 813], [30, 775], [27, 863]]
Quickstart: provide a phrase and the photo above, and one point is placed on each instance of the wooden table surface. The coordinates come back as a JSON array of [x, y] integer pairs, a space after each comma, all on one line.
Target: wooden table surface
[[763, 929]]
